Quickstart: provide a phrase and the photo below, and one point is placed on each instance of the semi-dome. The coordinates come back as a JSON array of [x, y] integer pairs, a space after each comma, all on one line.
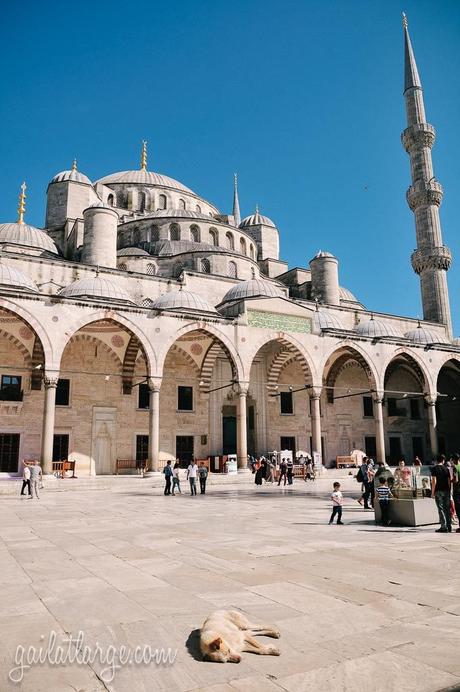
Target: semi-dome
[[182, 301], [132, 252], [326, 320], [27, 236], [95, 287], [13, 278], [252, 288], [422, 335], [375, 328], [143, 177], [73, 175], [345, 294], [256, 219]]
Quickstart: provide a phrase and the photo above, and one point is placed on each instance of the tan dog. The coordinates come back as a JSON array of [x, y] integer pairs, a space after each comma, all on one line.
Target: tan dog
[[226, 633]]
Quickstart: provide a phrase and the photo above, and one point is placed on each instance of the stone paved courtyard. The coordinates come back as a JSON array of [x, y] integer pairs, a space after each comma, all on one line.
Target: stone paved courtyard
[[359, 607]]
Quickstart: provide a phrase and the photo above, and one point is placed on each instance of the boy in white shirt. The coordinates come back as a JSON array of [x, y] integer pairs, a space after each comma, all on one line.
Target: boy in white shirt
[[337, 500]]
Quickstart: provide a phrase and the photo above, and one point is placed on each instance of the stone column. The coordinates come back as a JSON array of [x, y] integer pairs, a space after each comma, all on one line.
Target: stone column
[[241, 424], [315, 396], [433, 424], [154, 423], [379, 429], [50, 380]]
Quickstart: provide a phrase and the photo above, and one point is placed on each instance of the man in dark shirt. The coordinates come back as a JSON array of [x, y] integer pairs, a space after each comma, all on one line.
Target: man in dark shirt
[[440, 490], [456, 485]]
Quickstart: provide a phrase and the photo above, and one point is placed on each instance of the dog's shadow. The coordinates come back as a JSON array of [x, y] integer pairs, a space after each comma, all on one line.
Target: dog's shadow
[[193, 645]]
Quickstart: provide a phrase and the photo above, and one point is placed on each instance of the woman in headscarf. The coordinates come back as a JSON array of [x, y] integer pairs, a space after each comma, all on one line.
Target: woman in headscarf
[[261, 470]]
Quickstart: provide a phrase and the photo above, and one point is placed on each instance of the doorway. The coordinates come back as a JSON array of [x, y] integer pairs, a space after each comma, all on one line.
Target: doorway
[[184, 449], [395, 449], [9, 453], [288, 443], [229, 430]]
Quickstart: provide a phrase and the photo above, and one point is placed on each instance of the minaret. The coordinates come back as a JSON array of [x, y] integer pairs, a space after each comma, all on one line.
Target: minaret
[[236, 202], [431, 259]]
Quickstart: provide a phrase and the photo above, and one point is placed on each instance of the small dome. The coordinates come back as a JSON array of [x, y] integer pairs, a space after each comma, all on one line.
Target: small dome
[[132, 252], [142, 177], [13, 278], [182, 300], [73, 175], [326, 320], [101, 205], [95, 287], [255, 220], [252, 289], [322, 253], [421, 335], [27, 236], [373, 328], [345, 294]]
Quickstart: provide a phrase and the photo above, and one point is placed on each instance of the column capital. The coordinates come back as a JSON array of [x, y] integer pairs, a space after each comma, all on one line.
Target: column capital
[[50, 378], [315, 391], [431, 399], [154, 383], [378, 396], [243, 388]]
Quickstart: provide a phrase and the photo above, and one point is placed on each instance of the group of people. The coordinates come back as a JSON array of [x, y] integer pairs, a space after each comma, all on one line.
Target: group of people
[[266, 470], [445, 488], [32, 479], [172, 474]]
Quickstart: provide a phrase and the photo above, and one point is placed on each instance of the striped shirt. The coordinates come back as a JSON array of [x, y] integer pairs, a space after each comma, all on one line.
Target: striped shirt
[[383, 492]]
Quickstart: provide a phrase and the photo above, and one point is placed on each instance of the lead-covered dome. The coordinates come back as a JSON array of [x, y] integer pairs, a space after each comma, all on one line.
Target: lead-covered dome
[[326, 320], [256, 219], [13, 278], [252, 288], [95, 287], [182, 301], [375, 328], [26, 236], [72, 175], [143, 177], [132, 252], [422, 335]]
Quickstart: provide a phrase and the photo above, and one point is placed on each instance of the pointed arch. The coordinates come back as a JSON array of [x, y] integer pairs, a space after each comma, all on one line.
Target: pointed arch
[[339, 360], [129, 363], [402, 357]]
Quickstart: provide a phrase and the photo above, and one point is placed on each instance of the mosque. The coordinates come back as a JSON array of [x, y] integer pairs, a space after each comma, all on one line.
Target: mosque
[[143, 323]]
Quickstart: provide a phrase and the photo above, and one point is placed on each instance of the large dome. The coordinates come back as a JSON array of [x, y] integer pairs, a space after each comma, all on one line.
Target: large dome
[[142, 177], [255, 220], [421, 335], [252, 289], [375, 328], [182, 300], [95, 287], [13, 278], [26, 236], [179, 214]]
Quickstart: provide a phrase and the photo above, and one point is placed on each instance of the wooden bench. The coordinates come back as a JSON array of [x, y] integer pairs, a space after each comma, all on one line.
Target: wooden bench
[[123, 464], [345, 462], [60, 467]]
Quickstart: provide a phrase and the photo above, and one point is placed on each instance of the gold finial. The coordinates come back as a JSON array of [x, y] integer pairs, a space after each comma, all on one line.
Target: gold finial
[[144, 155], [22, 203], [74, 165], [405, 22]]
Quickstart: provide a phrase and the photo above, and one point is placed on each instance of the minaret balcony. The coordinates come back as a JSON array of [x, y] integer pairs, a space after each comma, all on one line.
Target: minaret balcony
[[424, 194], [417, 136], [431, 258]]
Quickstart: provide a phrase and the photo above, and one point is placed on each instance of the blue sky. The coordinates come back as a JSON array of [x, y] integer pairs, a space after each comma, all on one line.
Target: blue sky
[[302, 99]]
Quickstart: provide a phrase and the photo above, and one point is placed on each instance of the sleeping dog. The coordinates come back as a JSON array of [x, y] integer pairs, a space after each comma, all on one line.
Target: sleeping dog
[[226, 633]]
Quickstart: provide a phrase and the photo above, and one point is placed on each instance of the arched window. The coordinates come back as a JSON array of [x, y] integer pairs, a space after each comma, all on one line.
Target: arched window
[[151, 270], [182, 204], [230, 241], [146, 303], [253, 273], [214, 236], [154, 234], [174, 232], [198, 209], [141, 201], [205, 266], [243, 246], [162, 202], [232, 272], [110, 200], [122, 267], [177, 269], [195, 233], [251, 251]]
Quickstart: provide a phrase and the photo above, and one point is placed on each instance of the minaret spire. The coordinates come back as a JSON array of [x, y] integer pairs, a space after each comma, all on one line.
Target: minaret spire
[[431, 259], [144, 156], [236, 201], [22, 203]]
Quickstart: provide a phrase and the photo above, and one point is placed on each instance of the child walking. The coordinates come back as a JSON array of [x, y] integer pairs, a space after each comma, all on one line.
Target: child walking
[[337, 499]]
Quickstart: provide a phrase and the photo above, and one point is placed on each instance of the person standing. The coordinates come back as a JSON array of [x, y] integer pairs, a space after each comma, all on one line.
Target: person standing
[[456, 486], [337, 501], [203, 475], [290, 470], [440, 490], [366, 485], [26, 479], [35, 479], [168, 472], [283, 471], [261, 470], [175, 478], [383, 495], [192, 472]]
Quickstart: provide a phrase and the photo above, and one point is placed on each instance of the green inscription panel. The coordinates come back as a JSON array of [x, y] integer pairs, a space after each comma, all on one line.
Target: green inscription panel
[[282, 323]]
